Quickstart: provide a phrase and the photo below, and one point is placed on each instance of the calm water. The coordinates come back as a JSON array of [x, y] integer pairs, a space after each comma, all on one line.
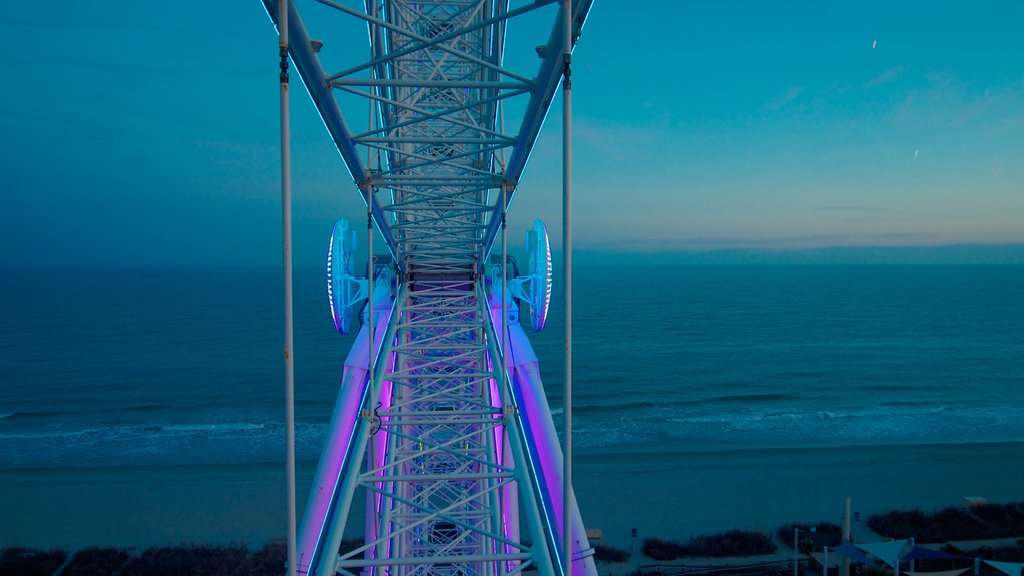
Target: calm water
[[136, 367]]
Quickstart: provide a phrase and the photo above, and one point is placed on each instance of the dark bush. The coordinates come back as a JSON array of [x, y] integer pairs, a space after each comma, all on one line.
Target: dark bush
[[187, 559], [952, 549], [662, 550], [95, 562], [1008, 553], [25, 562], [983, 522], [900, 524], [271, 560], [1005, 518], [998, 553], [957, 524], [603, 553], [785, 532], [731, 543]]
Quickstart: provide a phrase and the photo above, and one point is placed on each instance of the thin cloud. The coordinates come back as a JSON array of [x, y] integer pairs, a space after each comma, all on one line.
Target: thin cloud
[[790, 95], [885, 77], [947, 101]]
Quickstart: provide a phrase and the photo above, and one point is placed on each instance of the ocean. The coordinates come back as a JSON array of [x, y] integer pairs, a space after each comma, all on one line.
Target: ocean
[[141, 367], [121, 368]]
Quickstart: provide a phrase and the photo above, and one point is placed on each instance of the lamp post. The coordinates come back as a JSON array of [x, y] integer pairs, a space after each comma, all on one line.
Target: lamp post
[[286, 232], [796, 551]]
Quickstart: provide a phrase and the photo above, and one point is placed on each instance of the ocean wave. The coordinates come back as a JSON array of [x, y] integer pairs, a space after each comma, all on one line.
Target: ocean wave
[[214, 429], [749, 398], [106, 410], [157, 444], [233, 440], [881, 424], [615, 403]]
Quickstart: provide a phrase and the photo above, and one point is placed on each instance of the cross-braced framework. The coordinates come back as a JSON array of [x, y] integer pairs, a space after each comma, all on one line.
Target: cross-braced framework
[[440, 424], [444, 479]]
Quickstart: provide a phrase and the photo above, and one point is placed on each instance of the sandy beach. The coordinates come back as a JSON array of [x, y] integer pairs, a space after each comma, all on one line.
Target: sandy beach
[[682, 495], [668, 494], [144, 506]]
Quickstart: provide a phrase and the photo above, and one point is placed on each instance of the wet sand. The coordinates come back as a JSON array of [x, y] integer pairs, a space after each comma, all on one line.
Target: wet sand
[[680, 495], [668, 494]]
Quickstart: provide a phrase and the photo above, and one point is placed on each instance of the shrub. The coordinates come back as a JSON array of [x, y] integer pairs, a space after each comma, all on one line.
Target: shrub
[[1008, 553], [1005, 518], [662, 550], [952, 549], [25, 562], [270, 560], [785, 532], [999, 553], [190, 559], [983, 522], [95, 562], [727, 544], [899, 524], [731, 543], [956, 524], [610, 554]]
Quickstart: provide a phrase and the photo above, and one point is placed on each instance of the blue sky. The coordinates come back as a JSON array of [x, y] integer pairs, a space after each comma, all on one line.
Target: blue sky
[[147, 133]]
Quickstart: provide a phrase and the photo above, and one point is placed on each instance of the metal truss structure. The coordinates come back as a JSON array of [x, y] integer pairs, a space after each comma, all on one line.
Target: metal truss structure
[[441, 426]]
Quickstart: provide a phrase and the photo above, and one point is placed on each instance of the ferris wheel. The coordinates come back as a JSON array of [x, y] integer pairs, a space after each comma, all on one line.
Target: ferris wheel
[[442, 436]]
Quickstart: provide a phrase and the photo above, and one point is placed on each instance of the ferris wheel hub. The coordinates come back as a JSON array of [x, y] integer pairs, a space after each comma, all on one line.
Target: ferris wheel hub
[[344, 290]]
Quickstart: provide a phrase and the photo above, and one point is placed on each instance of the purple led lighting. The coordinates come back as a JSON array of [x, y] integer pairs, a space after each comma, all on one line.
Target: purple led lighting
[[338, 446], [545, 450], [336, 451], [379, 450]]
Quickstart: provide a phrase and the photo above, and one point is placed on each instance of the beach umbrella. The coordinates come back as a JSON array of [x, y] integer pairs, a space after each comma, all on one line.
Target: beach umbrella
[[888, 552], [850, 551], [920, 552], [1011, 568]]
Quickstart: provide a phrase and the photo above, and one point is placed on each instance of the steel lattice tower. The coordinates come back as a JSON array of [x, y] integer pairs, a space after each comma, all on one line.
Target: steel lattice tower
[[455, 454]]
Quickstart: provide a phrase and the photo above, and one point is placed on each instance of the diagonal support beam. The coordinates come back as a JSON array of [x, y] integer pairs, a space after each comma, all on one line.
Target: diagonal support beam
[[540, 100], [300, 48]]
